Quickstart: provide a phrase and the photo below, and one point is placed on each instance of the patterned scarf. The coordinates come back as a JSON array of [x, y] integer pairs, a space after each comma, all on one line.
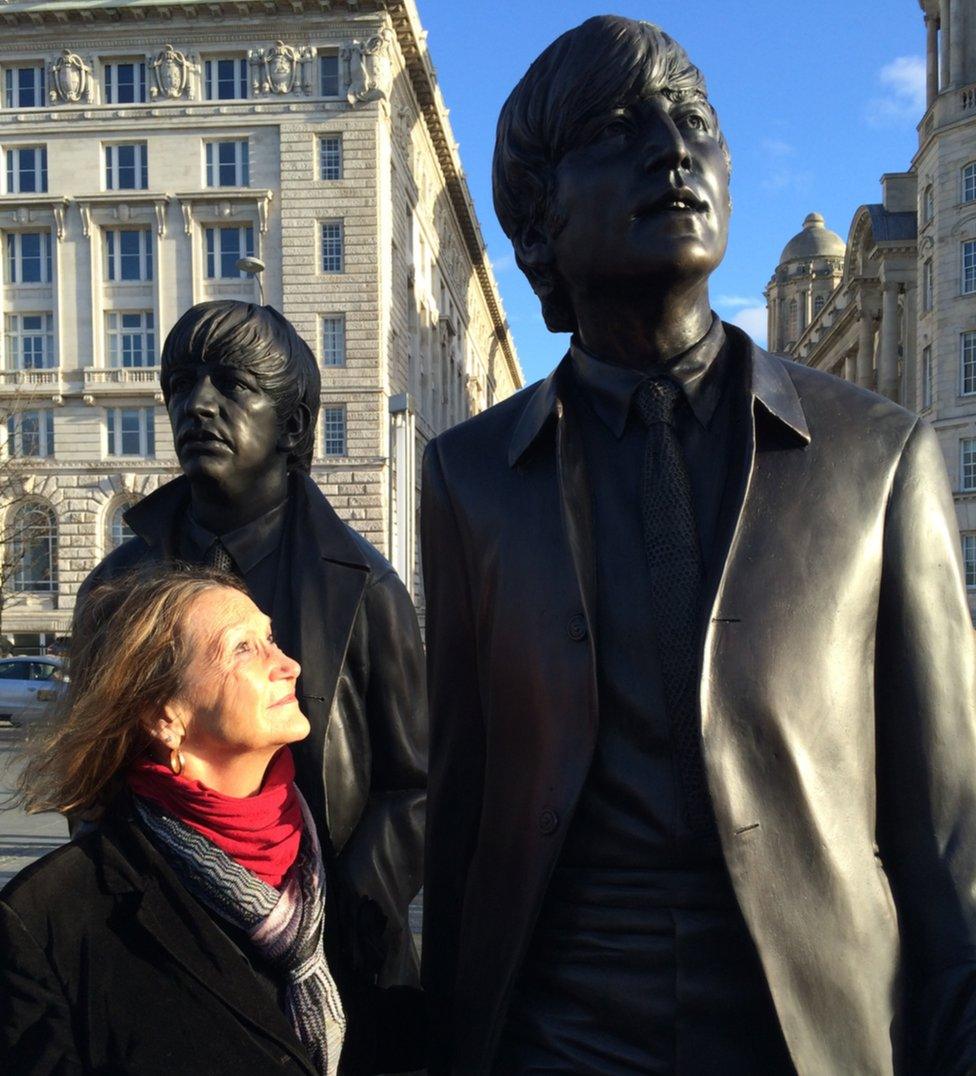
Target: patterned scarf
[[285, 926]]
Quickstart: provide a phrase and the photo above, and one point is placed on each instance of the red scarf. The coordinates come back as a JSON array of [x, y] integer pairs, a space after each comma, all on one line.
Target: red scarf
[[261, 832]]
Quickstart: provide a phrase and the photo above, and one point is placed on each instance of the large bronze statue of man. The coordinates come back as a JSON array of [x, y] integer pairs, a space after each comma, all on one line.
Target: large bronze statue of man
[[242, 390], [703, 753]]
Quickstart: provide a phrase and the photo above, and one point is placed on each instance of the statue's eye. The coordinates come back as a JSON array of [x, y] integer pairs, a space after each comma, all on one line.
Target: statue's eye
[[695, 121], [618, 127]]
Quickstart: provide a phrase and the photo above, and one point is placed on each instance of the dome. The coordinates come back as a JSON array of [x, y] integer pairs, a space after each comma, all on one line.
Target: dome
[[815, 241]]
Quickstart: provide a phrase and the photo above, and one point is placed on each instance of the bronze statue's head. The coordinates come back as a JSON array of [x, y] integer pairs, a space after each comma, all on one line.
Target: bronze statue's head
[[261, 378], [609, 161]]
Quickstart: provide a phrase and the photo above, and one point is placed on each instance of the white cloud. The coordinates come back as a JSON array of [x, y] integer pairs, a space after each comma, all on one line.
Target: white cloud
[[903, 93], [736, 300], [781, 175], [503, 263], [776, 147], [753, 320]]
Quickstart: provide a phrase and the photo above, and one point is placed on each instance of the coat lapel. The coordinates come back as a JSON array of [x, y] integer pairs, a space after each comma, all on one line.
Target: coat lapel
[[151, 894], [321, 582]]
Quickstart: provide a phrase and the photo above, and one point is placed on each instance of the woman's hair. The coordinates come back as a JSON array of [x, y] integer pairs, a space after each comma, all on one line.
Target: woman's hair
[[129, 650]]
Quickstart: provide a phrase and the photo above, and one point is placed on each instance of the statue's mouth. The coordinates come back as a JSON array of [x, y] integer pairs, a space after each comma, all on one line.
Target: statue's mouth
[[673, 200]]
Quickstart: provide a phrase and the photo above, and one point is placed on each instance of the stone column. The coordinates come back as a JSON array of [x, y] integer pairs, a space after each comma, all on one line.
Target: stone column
[[909, 349], [888, 358], [931, 60], [850, 367], [865, 349], [944, 26], [956, 43]]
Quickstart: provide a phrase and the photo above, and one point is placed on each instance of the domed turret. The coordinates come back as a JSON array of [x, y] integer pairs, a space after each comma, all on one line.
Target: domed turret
[[809, 269], [815, 241]]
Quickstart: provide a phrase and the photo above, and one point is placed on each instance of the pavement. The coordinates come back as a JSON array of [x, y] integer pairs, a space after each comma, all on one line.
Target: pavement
[[23, 837]]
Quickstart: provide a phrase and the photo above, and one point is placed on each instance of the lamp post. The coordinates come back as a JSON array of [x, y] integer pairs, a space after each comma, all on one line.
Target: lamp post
[[253, 267]]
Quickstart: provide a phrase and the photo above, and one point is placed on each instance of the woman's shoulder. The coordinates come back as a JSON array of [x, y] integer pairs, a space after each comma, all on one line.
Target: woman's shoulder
[[66, 878]]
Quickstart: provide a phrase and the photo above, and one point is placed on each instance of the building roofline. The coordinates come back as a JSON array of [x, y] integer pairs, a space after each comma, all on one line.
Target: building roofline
[[411, 37]]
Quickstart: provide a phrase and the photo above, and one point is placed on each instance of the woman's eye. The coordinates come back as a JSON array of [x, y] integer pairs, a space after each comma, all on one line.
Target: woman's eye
[[242, 647], [271, 639]]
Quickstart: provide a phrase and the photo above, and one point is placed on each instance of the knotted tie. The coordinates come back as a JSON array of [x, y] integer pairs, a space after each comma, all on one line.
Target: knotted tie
[[674, 557], [219, 558]]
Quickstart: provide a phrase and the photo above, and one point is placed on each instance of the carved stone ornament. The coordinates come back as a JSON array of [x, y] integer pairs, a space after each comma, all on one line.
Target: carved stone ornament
[[281, 69], [369, 68], [71, 79], [171, 74]]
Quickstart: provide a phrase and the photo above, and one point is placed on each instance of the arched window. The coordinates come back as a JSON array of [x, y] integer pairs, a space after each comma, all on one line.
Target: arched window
[[818, 304], [32, 539], [118, 530], [969, 182]]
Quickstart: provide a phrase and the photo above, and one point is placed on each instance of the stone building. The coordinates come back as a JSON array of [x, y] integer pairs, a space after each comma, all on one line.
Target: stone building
[[901, 318], [147, 148]]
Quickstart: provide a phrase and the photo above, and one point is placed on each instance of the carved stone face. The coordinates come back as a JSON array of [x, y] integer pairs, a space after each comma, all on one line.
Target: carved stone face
[[280, 69], [643, 194], [171, 76]]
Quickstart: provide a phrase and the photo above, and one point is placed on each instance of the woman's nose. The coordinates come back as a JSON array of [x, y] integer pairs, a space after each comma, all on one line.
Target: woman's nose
[[285, 668]]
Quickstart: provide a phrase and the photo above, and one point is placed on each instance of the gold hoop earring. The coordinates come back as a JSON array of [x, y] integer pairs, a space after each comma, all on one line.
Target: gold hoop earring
[[176, 761]]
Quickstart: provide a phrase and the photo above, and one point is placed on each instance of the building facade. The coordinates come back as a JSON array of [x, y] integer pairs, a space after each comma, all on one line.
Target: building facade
[[148, 148], [901, 318]]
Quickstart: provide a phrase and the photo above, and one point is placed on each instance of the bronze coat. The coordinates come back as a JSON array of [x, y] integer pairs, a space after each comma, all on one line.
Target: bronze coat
[[837, 698]]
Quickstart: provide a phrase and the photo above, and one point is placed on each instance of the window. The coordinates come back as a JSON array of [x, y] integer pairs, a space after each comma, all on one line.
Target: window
[[969, 560], [227, 163], [131, 431], [126, 167], [27, 170], [333, 340], [30, 342], [23, 86], [29, 258], [31, 433], [129, 254], [967, 463], [330, 157], [225, 245], [34, 548], [329, 74], [225, 79], [793, 319], [818, 304], [332, 246], [969, 182], [118, 530], [927, 377], [927, 285], [967, 363], [131, 338], [928, 204], [125, 83], [334, 426], [969, 266]]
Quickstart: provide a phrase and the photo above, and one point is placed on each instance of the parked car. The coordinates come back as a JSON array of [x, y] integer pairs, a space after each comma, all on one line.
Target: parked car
[[28, 686]]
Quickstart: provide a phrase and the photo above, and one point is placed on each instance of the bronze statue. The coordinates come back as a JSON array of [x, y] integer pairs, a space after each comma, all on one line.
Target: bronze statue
[[242, 390], [701, 669]]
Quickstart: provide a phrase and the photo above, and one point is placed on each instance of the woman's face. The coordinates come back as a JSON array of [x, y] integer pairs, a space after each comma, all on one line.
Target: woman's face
[[238, 697]]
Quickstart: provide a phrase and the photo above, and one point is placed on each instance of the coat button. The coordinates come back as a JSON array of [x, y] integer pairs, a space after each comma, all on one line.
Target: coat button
[[577, 627], [548, 822]]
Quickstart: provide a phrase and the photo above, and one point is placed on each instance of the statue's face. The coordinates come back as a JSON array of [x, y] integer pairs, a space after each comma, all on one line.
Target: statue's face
[[225, 427], [644, 194]]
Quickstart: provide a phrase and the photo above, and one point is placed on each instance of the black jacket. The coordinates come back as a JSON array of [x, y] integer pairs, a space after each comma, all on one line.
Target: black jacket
[[108, 964], [838, 715], [341, 611]]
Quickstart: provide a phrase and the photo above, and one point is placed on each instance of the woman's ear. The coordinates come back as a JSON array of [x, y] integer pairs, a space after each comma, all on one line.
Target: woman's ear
[[167, 726]]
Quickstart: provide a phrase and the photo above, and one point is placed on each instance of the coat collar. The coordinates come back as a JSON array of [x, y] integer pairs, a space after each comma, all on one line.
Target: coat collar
[[772, 388], [153, 517]]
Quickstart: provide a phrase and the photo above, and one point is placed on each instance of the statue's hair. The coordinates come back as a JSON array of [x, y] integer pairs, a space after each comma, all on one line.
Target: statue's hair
[[128, 654], [257, 339], [604, 63]]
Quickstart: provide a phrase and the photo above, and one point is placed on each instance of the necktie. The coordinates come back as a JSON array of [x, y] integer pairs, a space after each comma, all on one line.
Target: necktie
[[674, 557], [219, 558]]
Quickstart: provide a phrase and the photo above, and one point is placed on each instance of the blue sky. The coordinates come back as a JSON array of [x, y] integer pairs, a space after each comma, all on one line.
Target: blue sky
[[817, 100]]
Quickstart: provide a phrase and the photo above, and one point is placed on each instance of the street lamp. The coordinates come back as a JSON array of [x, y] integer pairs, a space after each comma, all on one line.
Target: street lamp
[[254, 267]]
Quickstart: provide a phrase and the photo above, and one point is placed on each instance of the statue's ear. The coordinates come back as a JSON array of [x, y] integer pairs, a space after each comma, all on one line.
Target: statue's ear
[[533, 249], [294, 429]]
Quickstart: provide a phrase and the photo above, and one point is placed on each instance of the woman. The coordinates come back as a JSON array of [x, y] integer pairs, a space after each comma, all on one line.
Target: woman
[[183, 932]]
